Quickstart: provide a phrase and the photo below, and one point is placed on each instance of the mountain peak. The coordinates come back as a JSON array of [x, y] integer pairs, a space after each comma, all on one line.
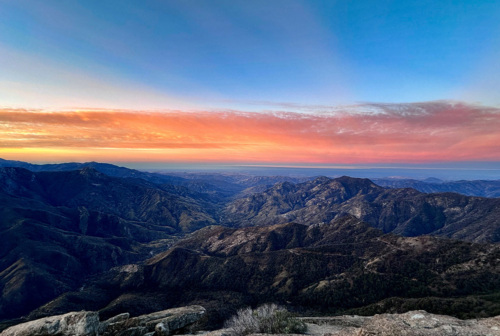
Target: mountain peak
[[349, 179], [321, 179], [344, 180], [355, 185], [90, 171]]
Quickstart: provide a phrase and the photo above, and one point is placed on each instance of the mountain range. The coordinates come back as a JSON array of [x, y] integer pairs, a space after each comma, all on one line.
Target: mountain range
[[482, 188], [341, 266], [105, 238], [59, 227], [406, 211]]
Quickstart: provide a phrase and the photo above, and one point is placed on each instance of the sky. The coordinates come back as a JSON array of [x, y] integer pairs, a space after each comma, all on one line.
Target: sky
[[258, 82]]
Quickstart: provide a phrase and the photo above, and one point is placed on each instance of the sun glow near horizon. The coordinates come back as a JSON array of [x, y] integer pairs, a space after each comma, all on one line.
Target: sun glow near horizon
[[411, 133]]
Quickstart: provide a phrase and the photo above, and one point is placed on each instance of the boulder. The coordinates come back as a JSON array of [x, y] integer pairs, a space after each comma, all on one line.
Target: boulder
[[118, 318], [83, 323], [162, 323]]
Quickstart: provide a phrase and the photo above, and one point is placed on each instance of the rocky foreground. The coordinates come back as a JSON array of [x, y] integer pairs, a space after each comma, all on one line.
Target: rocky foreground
[[178, 320], [413, 323], [85, 323]]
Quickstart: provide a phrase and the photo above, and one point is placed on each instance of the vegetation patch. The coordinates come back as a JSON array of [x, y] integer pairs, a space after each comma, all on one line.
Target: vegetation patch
[[268, 319]]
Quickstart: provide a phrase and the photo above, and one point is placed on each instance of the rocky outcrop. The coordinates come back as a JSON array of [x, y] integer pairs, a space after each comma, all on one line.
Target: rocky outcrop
[[75, 323], [173, 321], [413, 323], [162, 323]]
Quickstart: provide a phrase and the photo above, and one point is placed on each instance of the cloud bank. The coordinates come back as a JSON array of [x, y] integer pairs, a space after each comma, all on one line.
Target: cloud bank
[[368, 133]]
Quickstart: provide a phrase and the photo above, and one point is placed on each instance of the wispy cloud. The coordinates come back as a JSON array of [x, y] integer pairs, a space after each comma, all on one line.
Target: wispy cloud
[[420, 132]]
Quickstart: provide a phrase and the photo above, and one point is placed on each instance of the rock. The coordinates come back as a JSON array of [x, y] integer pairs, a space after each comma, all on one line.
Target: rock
[[115, 319], [134, 331], [183, 317], [413, 323], [82, 323], [341, 321], [421, 323], [162, 323], [162, 329], [220, 332]]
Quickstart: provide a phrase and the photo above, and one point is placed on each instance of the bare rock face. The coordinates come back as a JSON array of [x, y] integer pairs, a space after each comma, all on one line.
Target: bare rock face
[[82, 323], [162, 323], [413, 323]]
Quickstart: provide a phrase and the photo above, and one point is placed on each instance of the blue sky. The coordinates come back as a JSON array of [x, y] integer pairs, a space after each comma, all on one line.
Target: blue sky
[[246, 55]]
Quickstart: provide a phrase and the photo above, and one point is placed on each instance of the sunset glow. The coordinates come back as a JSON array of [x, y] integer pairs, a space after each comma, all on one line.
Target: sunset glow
[[426, 132]]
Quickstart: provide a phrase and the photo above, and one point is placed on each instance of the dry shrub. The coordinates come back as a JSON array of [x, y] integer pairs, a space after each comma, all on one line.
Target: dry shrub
[[268, 318]]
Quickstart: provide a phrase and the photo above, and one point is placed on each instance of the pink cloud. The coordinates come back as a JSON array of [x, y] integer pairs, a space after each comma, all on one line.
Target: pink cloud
[[420, 132]]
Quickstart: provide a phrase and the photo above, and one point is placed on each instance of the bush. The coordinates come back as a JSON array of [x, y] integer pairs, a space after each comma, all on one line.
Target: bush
[[268, 318]]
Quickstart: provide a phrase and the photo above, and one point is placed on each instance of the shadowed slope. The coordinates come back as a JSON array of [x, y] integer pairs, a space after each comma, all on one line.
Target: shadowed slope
[[402, 211], [59, 227], [345, 264]]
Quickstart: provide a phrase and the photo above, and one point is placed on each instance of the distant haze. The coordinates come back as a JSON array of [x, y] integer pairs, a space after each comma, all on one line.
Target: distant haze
[[460, 171], [368, 134]]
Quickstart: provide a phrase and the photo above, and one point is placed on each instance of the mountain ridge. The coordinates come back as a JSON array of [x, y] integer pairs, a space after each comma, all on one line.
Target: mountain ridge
[[75, 238], [345, 265], [60, 227], [402, 211], [481, 188]]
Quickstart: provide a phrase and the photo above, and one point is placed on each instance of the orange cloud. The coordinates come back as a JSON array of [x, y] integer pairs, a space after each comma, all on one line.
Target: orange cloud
[[370, 133]]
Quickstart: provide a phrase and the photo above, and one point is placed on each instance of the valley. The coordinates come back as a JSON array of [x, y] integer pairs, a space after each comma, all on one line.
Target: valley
[[111, 239]]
